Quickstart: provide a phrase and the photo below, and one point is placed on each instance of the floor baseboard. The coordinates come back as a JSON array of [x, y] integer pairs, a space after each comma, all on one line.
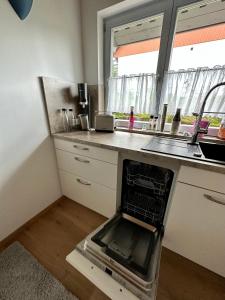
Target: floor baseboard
[[8, 240]]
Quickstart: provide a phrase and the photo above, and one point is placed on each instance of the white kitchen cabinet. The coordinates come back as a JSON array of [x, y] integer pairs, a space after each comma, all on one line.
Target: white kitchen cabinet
[[196, 226], [98, 171], [88, 193], [88, 175], [202, 178], [87, 150]]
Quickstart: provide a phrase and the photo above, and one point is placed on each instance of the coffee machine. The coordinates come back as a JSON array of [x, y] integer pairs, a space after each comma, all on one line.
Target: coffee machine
[[84, 101], [83, 97]]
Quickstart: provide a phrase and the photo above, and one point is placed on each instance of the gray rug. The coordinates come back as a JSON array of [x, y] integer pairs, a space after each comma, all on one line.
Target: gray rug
[[23, 278]]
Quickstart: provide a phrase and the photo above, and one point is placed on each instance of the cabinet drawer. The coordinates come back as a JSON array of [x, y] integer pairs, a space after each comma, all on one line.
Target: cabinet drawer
[[196, 226], [86, 150], [92, 195], [98, 171], [202, 178]]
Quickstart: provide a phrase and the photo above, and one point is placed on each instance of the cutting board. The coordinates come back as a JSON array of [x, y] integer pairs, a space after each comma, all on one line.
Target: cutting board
[[58, 94]]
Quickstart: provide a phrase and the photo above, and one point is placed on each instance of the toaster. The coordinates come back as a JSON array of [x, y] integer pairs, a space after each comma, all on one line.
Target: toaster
[[104, 122]]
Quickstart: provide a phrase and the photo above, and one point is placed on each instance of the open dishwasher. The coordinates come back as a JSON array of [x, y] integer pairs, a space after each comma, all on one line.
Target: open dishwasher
[[122, 256]]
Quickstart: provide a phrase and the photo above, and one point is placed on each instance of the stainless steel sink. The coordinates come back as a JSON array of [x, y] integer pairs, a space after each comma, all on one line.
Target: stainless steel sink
[[213, 151], [204, 151]]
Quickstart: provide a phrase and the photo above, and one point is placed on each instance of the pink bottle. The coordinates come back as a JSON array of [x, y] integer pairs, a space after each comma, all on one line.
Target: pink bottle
[[131, 118], [221, 133]]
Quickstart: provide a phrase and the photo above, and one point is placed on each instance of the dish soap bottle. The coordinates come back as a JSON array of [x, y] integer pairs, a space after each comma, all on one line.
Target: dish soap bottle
[[131, 118], [221, 132], [176, 122]]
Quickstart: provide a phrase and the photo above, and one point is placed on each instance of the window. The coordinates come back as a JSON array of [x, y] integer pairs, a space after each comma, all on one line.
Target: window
[[132, 81], [197, 62], [173, 54]]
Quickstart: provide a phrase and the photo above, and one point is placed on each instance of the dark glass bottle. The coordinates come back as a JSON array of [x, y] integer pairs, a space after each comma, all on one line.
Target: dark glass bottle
[[163, 120], [176, 122]]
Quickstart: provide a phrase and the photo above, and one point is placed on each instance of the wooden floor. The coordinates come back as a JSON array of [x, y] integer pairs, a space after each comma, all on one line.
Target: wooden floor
[[56, 232]]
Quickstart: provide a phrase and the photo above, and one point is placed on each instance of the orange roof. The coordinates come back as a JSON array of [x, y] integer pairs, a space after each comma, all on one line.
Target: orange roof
[[197, 36]]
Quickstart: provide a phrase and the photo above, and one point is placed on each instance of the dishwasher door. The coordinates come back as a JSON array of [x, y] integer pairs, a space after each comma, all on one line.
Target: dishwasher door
[[111, 256], [112, 288], [115, 279]]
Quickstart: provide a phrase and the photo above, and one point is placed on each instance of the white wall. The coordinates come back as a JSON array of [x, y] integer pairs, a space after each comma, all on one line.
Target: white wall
[[89, 9], [47, 43]]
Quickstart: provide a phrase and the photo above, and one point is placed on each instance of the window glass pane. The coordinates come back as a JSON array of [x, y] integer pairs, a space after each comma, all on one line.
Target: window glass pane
[[197, 62], [134, 59]]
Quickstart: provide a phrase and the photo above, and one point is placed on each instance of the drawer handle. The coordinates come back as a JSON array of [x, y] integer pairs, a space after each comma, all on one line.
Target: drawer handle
[[82, 160], [81, 148], [214, 199], [83, 182]]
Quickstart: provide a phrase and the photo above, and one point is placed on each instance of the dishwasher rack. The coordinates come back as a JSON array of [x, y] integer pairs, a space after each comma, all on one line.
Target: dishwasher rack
[[145, 191], [150, 209]]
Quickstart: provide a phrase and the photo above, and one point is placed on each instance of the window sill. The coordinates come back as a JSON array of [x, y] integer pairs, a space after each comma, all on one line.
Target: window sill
[[185, 130], [206, 138]]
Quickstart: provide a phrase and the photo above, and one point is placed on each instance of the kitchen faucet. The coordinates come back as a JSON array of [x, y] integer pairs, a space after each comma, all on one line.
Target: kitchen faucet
[[197, 128]]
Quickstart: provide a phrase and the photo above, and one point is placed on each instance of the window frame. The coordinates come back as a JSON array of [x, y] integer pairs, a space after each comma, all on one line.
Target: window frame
[[169, 9]]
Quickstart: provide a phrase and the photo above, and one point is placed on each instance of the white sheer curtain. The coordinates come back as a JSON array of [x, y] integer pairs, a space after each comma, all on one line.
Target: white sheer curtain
[[186, 89], [134, 90], [183, 89]]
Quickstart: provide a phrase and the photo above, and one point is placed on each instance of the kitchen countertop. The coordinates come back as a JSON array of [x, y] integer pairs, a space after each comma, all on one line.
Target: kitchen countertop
[[132, 143]]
